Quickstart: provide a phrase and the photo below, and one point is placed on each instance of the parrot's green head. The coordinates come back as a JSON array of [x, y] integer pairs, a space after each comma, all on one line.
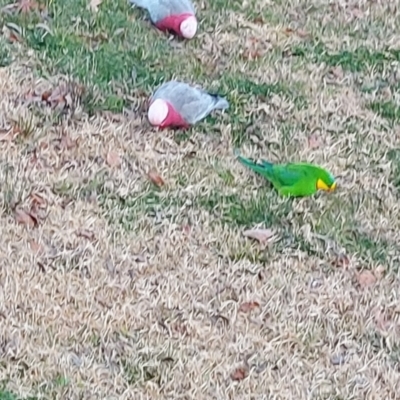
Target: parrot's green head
[[325, 180]]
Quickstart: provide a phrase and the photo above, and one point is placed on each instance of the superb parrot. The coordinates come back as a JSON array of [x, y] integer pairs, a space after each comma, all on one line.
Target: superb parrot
[[175, 15], [293, 179], [177, 104]]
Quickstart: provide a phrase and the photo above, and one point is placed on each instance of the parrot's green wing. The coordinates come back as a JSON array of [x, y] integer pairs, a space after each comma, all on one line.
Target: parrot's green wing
[[288, 174]]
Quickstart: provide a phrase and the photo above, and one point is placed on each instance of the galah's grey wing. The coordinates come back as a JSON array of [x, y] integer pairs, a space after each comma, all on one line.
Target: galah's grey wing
[[197, 105], [160, 9], [167, 90], [182, 6], [157, 9]]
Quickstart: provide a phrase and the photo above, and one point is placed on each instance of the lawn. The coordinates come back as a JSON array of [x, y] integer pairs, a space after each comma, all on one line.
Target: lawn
[[124, 269]]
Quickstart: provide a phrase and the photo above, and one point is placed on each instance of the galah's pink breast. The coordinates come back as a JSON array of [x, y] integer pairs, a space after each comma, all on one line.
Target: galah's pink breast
[[173, 119], [173, 23]]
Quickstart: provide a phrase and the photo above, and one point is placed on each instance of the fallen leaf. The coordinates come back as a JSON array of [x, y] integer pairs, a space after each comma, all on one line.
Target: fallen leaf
[[94, 5], [239, 374], [252, 50], [365, 279], [14, 37], [251, 54], [113, 159], [299, 32], [155, 177], [382, 322], [58, 97], [302, 33], [248, 306], [357, 13], [38, 200], [314, 141], [67, 143], [86, 234], [258, 20], [288, 31], [25, 218], [341, 261], [46, 95], [26, 6], [36, 247], [6, 135], [262, 235], [337, 72]]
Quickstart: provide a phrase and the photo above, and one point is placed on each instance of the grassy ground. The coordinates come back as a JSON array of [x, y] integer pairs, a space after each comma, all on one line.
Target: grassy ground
[[114, 288]]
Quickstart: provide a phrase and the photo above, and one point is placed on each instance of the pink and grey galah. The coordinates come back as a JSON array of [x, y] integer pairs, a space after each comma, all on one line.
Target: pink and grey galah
[[177, 104], [175, 15]]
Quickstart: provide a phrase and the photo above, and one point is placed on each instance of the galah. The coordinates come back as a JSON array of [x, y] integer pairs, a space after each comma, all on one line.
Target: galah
[[175, 15], [177, 104]]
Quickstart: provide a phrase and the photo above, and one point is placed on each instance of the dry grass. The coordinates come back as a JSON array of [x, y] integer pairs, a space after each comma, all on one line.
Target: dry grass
[[124, 290]]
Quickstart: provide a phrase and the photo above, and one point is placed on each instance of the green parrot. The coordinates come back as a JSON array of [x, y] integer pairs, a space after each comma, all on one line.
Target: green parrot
[[293, 179]]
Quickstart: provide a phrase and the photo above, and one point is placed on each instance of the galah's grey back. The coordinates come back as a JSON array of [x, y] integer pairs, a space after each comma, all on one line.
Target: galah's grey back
[[159, 9], [192, 103]]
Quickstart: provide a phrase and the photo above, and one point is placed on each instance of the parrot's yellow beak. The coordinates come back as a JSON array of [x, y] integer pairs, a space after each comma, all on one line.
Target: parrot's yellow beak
[[321, 185]]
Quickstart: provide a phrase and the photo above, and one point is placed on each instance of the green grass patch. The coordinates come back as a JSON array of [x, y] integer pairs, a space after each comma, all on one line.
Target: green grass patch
[[358, 60], [394, 157], [6, 395], [235, 210], [5, 53], [343, 229], [386, 109]]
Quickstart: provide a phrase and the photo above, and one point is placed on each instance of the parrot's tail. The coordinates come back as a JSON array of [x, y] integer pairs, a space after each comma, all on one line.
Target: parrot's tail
[[220, 102], [265, 168]]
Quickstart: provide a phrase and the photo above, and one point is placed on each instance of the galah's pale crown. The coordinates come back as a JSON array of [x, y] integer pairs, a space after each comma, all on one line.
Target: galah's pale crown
[[188, 27], [158, 112]]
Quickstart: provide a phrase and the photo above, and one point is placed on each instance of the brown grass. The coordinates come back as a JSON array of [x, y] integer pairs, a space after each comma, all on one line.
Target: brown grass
[[92, 307]]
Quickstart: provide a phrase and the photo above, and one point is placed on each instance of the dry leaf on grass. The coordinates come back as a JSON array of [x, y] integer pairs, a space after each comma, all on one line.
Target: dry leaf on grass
[[262, 235], [86, 234], [366, 278], [57, 98], [67, 143], [155, 177], [248, 306], [14, 37], [94, 5], [239, 374], [299, 32], [38, 200], [36, 247], [337, 72], [314, 141], [252, 50], [382, 322], [26, 6], [25, 218], [340, 261], [113, 159], [6, 135], [258, 20]]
